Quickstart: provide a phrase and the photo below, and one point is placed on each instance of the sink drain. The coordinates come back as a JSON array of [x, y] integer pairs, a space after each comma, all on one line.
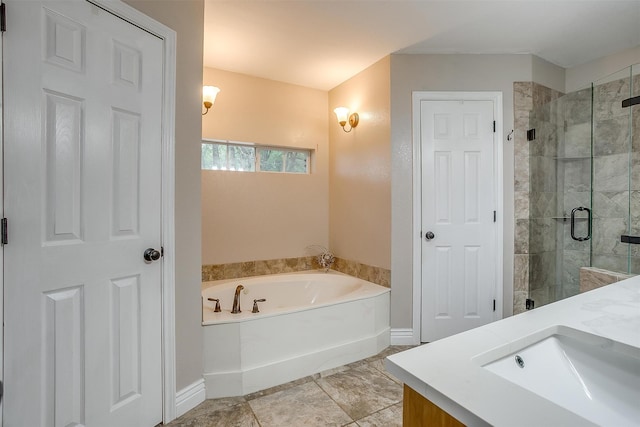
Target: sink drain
[[519, 361]]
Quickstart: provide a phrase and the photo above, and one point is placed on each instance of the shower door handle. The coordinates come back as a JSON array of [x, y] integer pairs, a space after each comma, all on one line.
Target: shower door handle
[[573, 223]]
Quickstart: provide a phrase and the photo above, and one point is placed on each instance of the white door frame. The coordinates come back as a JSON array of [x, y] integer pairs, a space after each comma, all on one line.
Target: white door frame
[[1, 215], [419, 96], [168, 36]]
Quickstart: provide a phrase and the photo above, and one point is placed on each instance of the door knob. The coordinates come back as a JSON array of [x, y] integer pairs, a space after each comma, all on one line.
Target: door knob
[[429, 235], [151, 255]]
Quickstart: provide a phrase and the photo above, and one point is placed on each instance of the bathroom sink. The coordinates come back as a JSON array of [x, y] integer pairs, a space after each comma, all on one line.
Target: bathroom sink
[[594, 377]]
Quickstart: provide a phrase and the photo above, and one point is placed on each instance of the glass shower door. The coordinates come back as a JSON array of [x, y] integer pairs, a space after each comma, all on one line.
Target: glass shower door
[[634, 178], [574, 166], [612, 178], [559, 196], [584, 196]]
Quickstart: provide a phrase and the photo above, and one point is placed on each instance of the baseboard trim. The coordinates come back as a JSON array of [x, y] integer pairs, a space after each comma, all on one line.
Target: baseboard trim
[[403, 336], [190, 397]]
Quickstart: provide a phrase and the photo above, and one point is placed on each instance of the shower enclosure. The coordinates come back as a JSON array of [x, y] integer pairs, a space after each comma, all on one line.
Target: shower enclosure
[[584, 197]]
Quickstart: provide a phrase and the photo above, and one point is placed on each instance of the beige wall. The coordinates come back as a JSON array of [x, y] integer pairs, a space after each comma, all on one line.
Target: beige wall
[[446, 73], [581, 76], [260, 216], [186, 17], [547, 74], [360, 169]]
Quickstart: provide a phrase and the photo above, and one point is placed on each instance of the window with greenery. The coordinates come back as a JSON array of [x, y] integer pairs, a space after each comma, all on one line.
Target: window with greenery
[[252, 158]]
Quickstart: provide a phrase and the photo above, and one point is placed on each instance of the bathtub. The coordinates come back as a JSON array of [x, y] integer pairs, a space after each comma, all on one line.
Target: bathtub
[[310, 322]]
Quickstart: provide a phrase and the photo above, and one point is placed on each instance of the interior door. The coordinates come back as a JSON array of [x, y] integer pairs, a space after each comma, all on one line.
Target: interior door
[[458, 216], [82, 155]]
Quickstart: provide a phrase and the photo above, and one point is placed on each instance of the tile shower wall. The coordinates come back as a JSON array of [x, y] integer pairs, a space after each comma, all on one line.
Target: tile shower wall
[[377, 275], [616, 192], [535, 196], [553, 176]]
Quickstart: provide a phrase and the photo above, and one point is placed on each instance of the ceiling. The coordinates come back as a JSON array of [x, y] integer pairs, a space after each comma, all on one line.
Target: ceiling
[[322, 43]]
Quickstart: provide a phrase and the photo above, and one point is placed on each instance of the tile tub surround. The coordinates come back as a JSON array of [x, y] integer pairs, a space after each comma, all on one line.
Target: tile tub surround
[[239, 270], [449, 373], [378, 275], [359, 394]]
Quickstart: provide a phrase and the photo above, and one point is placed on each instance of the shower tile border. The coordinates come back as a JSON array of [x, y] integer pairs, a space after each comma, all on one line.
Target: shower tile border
[[237, 270], [593, 278]]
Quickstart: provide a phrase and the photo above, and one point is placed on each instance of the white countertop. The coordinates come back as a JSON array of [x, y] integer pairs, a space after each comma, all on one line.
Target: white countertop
[[445, 373]]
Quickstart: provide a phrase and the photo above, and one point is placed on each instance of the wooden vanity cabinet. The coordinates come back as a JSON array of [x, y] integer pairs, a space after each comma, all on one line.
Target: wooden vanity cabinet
[[417, 411]]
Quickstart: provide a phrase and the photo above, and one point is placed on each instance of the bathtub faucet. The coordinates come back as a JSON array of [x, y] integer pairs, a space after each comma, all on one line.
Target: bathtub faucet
[[236, 300]]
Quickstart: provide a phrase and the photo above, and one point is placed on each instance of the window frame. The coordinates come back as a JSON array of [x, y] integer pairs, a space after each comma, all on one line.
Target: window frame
[[284, 150], [257, 156]]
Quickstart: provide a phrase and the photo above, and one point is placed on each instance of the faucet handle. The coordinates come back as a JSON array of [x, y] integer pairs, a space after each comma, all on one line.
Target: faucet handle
[[255, 305], [217, 309]]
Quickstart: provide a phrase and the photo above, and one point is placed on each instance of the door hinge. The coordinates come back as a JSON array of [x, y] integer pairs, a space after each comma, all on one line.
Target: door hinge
[[3, 17], [494, 126], [494, 216], [531, 135], [4, 234], [494, 305], [529, 304]]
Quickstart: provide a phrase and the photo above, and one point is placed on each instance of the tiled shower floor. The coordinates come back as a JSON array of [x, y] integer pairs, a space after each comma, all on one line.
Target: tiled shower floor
[[359, 394]]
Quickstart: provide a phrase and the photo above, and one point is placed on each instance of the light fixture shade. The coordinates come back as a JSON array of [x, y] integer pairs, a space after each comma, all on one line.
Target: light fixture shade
[[342, 113], [209, 94]]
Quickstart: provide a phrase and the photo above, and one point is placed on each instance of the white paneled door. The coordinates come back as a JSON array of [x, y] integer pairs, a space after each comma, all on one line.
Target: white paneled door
[[82, 104], [458, 205]]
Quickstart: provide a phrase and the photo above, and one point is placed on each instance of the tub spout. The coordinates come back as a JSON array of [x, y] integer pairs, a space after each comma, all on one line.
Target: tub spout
[[236, 300]]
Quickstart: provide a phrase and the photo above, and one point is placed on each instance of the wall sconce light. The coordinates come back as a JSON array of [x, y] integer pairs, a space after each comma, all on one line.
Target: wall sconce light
[[342, 113], [209, 94]]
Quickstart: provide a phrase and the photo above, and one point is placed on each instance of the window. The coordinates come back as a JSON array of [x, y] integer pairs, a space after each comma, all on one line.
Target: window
[[252, 158], [222, 156]]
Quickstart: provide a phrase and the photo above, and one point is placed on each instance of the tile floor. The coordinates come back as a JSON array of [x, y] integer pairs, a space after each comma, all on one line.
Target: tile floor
[[360, 394]]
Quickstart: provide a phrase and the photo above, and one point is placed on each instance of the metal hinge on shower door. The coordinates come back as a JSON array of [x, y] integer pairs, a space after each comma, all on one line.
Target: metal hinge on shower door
[[3, 18], [4, 233]]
